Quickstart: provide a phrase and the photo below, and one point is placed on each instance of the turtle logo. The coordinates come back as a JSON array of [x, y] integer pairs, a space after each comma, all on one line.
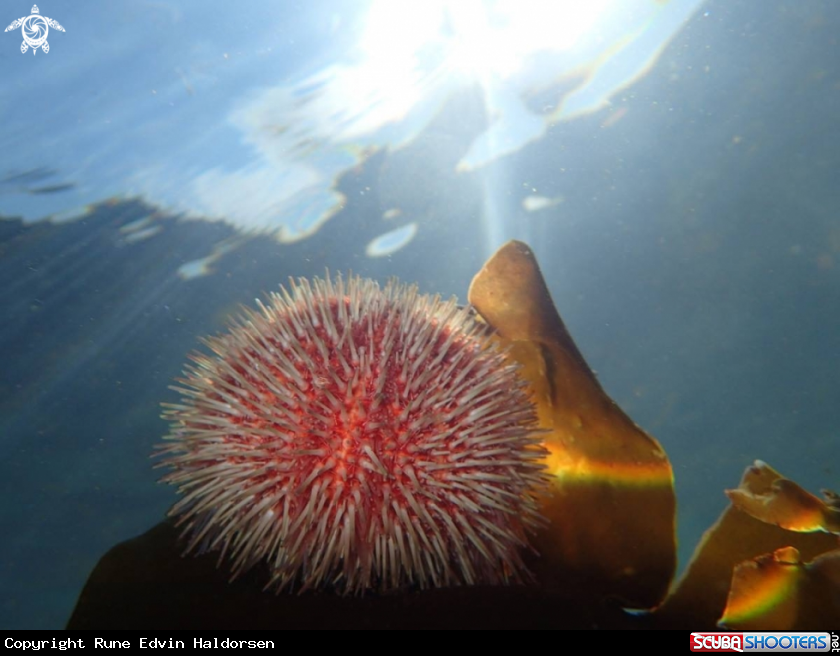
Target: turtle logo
[[35, 29]]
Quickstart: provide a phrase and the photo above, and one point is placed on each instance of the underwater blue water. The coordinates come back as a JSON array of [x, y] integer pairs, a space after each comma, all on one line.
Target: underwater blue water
[[164, 163]]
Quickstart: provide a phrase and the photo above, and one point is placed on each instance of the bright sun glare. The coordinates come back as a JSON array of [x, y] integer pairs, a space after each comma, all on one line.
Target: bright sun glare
[[482, 38]]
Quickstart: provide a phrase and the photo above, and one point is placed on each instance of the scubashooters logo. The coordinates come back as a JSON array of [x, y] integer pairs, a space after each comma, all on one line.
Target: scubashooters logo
[[35, 29], [784, 642]]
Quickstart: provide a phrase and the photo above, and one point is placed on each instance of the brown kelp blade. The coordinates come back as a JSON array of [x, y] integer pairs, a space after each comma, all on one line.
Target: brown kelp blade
[[787, 505], [145, 584], [779, 592], [612, 505], [700, 597]]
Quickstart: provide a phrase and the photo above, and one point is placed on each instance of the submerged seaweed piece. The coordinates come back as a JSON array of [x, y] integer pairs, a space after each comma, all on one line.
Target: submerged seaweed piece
[[700, 596], [787, 505], [612, 506], [779, 592], [144, 583]]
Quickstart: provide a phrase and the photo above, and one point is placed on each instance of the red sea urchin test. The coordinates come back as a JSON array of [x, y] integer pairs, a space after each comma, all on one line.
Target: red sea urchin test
[[356, 436]]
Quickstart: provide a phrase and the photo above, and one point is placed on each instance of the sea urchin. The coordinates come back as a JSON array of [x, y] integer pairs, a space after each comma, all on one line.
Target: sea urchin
[[356, 436]]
